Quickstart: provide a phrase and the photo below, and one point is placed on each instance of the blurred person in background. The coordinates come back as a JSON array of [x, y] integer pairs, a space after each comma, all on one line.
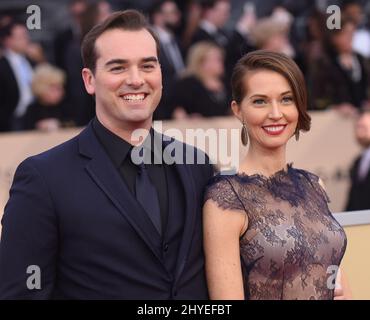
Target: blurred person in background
[[339, 78], [65, 38], [15, 76], [214, 16], [68, 58], [201, 90], [353, 10], [96, 12], [359, 198], [80, 104], [240, 41], [165, 18], [273, 35], [192, 16], [311, 47], [46, 112]]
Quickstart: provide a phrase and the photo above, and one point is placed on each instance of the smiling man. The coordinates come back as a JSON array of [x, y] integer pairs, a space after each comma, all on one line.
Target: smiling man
[[83, 220]]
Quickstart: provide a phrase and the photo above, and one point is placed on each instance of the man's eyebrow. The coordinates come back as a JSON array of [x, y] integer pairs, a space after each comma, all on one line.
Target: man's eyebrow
[[125, 61], [116, 61], [150, 59]]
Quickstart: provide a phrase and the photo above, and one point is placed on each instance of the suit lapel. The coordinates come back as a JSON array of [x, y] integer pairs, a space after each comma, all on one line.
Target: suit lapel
[[106, 176]]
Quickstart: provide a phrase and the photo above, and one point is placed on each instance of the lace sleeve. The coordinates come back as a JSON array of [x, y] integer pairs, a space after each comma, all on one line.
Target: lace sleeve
[[221, 191]]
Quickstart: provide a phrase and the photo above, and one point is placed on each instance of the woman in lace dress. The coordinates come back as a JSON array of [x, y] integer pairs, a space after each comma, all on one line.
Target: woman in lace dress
[[268, 231]]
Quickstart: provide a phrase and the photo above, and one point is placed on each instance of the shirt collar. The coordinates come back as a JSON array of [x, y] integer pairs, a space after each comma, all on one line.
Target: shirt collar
[[163, 35], [208, 26], [366, 153], [116, 147], [12, 55], [119, 149]]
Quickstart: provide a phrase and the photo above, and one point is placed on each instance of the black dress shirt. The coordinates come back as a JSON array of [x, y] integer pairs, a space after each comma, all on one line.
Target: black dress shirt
[[119, 152]]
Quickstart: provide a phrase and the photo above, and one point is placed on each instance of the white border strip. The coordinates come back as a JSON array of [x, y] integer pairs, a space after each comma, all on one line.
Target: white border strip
[[353, 218]]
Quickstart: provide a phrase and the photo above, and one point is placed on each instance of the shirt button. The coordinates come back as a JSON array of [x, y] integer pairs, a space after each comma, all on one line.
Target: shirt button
[[165, 247]]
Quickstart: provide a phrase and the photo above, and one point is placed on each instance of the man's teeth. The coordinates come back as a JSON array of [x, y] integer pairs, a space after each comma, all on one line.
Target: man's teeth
[[274, 129], [134, 97]]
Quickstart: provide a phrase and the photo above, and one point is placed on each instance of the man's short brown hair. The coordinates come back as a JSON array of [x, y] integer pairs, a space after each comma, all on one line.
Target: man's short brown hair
[[129, 20]]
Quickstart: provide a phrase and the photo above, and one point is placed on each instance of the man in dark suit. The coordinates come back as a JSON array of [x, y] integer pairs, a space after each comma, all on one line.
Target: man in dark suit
[[215, 14], [80, 106], [165, 18], [15, 76], [360, 172], [85, 220]]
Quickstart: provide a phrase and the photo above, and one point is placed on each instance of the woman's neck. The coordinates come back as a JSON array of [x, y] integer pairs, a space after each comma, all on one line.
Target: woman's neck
[[264, 161]]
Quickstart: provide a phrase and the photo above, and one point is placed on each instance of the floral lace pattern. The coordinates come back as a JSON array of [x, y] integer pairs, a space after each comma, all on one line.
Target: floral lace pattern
[[292, 238]]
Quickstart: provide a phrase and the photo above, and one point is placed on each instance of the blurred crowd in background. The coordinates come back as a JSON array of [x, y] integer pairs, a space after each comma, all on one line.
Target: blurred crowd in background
[[41, 85]]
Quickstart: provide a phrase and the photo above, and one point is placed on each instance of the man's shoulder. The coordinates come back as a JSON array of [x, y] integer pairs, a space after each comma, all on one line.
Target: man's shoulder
[[55, 156]]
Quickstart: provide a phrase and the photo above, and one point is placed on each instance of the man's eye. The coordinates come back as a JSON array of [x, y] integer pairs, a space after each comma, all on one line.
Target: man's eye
[[115, 69], [148, 66]]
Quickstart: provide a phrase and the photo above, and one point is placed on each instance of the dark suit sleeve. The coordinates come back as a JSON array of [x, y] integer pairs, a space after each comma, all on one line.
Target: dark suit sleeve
[[29, 237], [4, 113], [350, 206]]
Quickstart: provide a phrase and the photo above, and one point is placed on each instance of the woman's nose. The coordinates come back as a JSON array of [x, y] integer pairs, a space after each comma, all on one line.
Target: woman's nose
[[275, 112]]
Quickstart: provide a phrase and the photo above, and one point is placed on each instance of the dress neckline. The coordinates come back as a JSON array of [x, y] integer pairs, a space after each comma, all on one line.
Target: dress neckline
[[282, 172]]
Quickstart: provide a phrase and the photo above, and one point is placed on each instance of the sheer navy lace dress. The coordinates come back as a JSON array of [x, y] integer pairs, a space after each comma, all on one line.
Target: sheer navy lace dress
[[292, 237]]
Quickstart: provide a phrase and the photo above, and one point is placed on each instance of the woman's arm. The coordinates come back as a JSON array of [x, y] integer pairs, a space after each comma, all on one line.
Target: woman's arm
[[222, 229]]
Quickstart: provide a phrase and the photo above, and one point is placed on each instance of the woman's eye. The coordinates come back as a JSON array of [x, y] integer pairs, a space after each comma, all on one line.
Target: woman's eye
[[259, 101], [287, 100]]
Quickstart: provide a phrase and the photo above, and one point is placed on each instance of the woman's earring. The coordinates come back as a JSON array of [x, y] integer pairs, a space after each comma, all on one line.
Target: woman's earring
[[244, 135], [296, 134]]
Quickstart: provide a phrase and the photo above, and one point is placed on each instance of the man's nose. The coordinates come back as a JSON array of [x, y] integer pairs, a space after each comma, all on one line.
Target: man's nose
[[134, 78]]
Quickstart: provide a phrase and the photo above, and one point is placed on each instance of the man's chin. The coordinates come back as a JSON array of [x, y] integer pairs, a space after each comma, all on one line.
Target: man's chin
[[139, 117]]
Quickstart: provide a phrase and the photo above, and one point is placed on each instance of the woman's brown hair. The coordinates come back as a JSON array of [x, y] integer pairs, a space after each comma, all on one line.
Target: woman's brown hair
[[280, 63]]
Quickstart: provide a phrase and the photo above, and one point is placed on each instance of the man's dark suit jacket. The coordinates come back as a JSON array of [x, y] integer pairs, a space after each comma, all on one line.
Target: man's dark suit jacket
[[9, 94], [71, 214], [202, 35], [359, 195]]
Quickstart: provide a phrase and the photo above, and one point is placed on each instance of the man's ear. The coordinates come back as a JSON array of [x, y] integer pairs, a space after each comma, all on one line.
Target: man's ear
[[89, 80], [236, 110]]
